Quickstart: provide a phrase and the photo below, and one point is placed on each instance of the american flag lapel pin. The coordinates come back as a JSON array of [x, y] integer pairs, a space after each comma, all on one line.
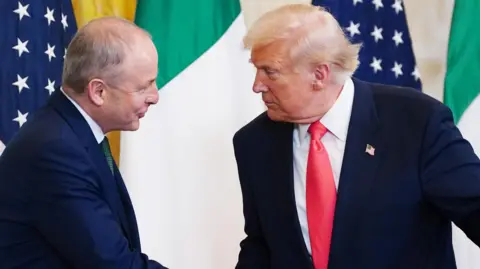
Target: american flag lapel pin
[[370, 150]]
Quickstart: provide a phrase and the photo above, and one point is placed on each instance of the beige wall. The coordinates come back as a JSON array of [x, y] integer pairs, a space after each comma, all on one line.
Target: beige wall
[[429, 23]]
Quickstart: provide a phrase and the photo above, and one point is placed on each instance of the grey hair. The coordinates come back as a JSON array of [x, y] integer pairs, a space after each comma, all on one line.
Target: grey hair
[[97, 53]]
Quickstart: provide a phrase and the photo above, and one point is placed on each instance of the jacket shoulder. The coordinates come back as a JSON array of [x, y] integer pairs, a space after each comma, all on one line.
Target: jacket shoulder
[[404, 104], [45, 127], [248, 130], [400, 96]]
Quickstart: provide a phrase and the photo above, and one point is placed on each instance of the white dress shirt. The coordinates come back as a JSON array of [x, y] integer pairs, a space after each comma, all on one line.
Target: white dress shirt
[[336, 120], [96, 130]]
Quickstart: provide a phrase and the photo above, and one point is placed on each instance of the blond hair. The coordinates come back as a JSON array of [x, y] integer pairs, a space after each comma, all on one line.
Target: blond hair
[[313, 35]]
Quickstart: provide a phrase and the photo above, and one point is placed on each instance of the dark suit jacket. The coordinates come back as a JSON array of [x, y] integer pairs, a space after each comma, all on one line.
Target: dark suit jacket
[[393, 209], [60, 205]]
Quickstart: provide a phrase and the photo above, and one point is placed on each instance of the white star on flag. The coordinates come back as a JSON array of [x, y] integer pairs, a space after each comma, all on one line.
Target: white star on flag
[[50, 87], [377, 33], [353, 28], [397, 6], [21, 47], [376, 65], [49, 16], [22, 10], [397, 69], [378, 4], [21, 118], [397, 37], [357, 1], [416, 73], [64, 21], [50, 52], [21, 83]]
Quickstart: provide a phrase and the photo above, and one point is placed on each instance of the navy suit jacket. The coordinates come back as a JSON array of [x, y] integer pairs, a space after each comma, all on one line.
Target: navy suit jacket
[[60, 205], [393, 209]]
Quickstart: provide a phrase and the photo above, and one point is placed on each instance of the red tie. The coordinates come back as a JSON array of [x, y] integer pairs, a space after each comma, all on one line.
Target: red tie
[[321, 197]]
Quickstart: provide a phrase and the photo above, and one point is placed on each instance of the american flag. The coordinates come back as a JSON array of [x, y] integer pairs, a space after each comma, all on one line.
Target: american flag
[[381, 26], [34, 35]]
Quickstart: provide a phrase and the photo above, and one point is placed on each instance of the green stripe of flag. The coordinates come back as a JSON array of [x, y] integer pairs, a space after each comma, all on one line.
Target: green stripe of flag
[[183, 30], [462, 80]]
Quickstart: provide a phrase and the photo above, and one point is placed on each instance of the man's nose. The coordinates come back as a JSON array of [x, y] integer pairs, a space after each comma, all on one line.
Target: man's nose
[[259, 86], [152, 98]]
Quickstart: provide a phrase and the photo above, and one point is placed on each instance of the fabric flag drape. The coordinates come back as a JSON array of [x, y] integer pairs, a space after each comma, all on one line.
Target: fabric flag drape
[[34, 37], [462, 95], [86, 10], [387, 54], [179, 166]]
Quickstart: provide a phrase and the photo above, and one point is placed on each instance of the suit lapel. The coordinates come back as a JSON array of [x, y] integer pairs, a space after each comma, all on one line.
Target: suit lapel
[[106, 180], [109, 186], [281, 183], [357, 173], [129, 217]]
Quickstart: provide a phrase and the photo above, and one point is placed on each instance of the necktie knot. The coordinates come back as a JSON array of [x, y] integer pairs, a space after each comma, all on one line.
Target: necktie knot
[[105, 145], [317, 130]]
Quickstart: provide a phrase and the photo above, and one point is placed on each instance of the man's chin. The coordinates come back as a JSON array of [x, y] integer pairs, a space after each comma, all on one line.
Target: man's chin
[[282, 117], [275, 116], [134, 126]]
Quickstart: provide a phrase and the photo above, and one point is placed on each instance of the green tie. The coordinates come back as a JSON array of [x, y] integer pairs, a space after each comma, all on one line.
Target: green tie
[[108, 153]]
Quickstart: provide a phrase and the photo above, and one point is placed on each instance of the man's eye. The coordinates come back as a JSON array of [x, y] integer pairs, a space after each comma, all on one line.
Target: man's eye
[[270, 71]]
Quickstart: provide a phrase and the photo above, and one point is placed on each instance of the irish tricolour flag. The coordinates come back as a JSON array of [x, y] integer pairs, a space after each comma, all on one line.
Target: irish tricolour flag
[[462, 95], [180, 167]]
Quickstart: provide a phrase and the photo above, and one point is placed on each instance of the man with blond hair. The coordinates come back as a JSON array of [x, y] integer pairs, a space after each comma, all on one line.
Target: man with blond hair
[[340, 173], [63, 202]]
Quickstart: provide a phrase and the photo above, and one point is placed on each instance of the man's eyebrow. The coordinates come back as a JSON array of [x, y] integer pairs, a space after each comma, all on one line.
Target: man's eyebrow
[[147, 84]]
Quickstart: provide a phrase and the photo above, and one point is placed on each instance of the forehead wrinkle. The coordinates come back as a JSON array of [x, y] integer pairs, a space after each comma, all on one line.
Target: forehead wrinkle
[[271, 55]]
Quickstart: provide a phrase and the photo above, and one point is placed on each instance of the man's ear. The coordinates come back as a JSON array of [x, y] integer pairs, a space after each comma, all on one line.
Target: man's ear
[[96, 91], [322, 76]]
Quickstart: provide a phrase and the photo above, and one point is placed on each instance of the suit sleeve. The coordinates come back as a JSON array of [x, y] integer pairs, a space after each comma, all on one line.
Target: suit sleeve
[[254, 253], [451, 173], [69, 211]]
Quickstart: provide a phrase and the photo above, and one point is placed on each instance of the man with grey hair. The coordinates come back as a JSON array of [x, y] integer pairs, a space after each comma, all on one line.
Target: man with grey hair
[[63, 202], [340, 173]]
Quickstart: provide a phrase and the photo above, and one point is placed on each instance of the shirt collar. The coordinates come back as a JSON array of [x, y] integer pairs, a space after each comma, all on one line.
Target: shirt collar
[[96, 130], [337, 119]]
